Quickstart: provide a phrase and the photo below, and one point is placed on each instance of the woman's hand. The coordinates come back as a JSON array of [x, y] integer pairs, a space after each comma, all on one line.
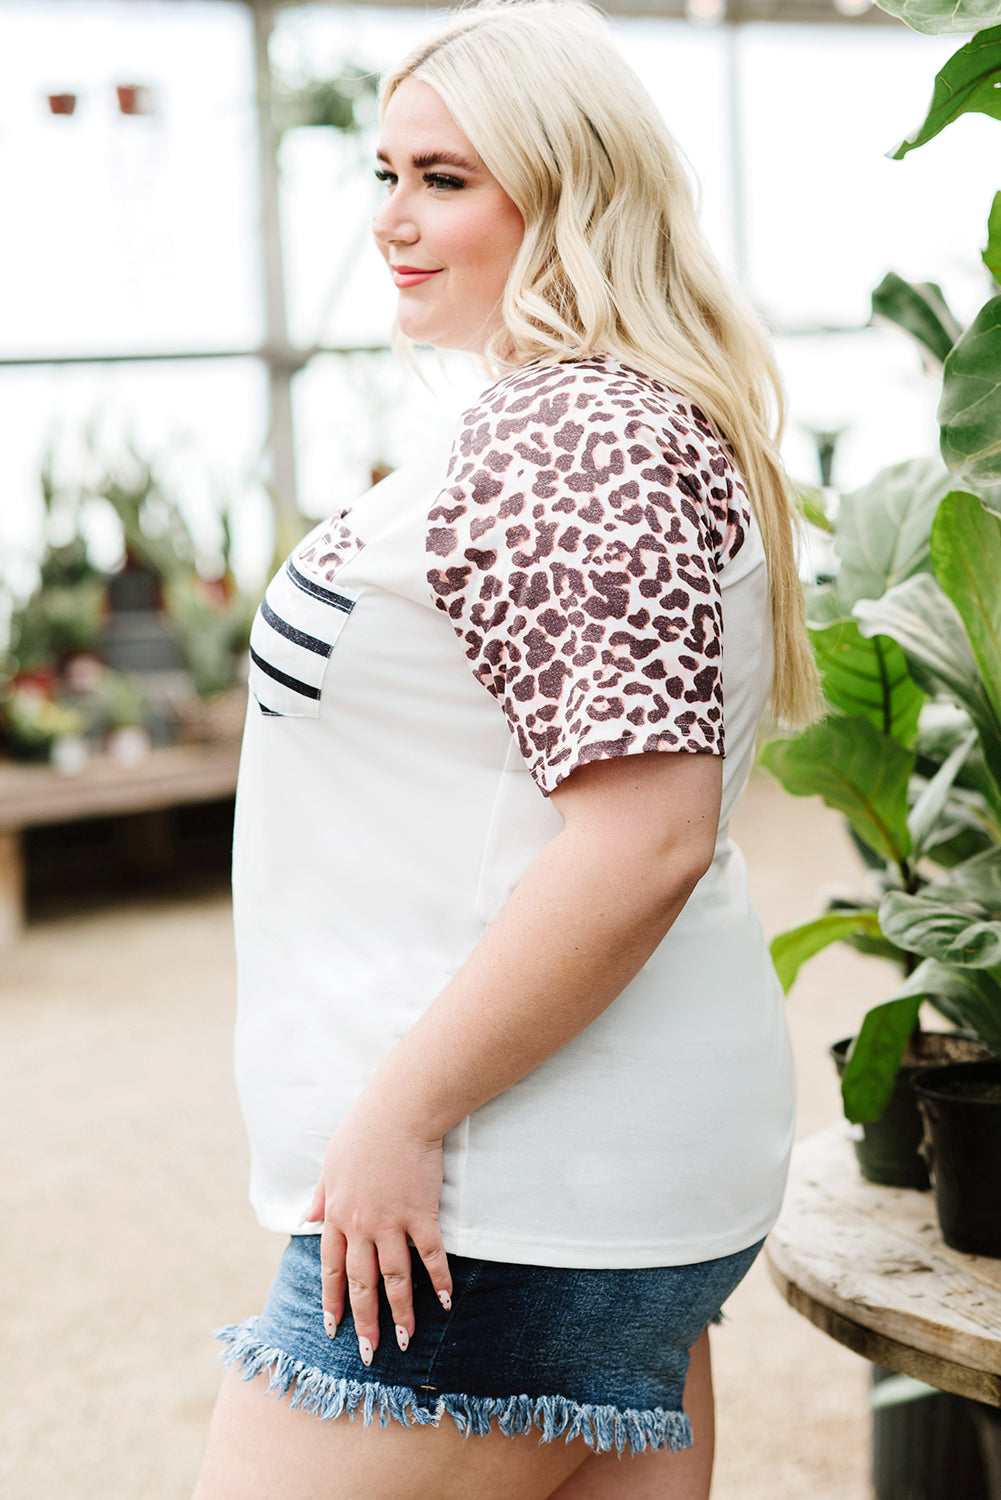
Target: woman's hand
[[378, 1191]]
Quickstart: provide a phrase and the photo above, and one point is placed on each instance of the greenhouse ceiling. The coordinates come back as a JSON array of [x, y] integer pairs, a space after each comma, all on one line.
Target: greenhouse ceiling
[[704, 12]]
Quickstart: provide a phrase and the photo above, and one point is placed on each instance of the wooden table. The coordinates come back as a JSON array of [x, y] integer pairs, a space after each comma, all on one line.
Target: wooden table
[[32, 795], [868, 1266]]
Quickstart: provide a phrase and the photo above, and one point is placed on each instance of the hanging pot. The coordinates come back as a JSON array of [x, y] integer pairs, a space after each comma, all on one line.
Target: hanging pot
[[961, 1106], [134, 99]]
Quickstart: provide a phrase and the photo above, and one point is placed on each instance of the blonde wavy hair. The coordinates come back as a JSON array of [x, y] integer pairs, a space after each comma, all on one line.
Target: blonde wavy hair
[[612, 259]]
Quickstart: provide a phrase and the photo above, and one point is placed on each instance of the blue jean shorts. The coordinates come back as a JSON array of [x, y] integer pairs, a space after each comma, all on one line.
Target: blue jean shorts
[[600, 1355]]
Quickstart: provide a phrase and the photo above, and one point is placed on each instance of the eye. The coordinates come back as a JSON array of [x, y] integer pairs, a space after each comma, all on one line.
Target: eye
[[443, 182], [382, 176]]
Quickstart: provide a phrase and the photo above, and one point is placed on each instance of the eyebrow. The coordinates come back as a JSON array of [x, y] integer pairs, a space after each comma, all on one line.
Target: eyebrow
[[426, 159]]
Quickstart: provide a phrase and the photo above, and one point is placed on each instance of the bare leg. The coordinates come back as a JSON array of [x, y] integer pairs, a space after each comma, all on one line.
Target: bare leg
[[685, 1475], [259, 1447]]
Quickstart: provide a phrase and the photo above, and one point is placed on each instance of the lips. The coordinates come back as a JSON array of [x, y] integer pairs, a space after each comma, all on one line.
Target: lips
[[405, 276]]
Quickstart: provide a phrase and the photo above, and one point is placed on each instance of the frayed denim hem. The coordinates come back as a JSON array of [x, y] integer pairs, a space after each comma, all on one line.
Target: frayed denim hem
[[601, 1427]]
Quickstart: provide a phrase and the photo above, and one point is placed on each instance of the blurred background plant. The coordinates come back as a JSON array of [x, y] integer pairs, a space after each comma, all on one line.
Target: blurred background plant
[[96, 647], [907, 635]]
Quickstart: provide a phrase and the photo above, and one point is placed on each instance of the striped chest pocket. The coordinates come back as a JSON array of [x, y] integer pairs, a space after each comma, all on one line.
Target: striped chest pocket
[[291, 640]]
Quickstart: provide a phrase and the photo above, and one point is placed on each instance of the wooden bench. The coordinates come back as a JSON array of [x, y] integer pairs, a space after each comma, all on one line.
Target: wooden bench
[[34, 795]]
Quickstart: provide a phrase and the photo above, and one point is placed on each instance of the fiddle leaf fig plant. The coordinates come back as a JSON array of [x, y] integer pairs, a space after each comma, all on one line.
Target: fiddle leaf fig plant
[[969, 412], [921, 309], [991, 253], [936, 18], [942, 925], [907, 637], [966, 83]]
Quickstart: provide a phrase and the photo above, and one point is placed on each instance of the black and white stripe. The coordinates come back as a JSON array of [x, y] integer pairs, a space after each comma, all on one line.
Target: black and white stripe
[[291, 640]]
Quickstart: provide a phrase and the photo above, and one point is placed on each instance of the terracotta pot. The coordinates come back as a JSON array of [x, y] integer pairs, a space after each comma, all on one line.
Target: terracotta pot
[[134, 99], [62, 104]]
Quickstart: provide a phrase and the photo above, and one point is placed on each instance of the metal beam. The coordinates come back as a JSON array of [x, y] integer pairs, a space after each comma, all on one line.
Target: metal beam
[[290, 357], [282, 363], [736, 12]]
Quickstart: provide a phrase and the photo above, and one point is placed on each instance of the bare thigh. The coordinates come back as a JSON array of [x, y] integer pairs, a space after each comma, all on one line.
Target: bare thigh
[[662, 1475], [258, 1447]]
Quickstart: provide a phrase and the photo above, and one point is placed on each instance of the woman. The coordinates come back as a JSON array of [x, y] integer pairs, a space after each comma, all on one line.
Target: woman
[[510, 1049]]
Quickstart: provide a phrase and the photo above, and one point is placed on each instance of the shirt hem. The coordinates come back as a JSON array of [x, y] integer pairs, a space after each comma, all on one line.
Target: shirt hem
[[581, 1255], [590, 1255]]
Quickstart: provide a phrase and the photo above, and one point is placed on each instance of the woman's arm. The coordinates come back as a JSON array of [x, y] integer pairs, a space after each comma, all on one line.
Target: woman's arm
[[639, 833]]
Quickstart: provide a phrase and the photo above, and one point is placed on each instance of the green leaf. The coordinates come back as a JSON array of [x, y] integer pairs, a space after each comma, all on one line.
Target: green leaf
[[939, 930], [879, 947], [969, 412], [873, 1062], [791, 949], [991, 253], [920, 309], [884, 528], [925, 819], [975, 994], [966, 553], [976, 880], [956, 848], [936, 17], [926, 625], [810, 500], [857, 771], [967, 84], [868, 675]]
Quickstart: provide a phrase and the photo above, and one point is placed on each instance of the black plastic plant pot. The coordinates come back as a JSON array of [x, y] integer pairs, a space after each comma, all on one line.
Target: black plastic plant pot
[[888, 1148], [961, 1105]]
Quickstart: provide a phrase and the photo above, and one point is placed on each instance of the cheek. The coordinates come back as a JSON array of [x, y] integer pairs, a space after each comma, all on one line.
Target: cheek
[[487, 241]]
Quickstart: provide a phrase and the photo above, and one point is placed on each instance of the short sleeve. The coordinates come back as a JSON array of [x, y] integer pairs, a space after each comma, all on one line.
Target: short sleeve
[[576, 549]]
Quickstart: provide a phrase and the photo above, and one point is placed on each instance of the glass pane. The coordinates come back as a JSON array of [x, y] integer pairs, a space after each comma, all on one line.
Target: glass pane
[[828, 213], [134, 231], [200, 423]]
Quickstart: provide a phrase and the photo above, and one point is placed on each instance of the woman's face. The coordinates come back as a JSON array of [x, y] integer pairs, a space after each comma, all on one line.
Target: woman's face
[[447, 229]]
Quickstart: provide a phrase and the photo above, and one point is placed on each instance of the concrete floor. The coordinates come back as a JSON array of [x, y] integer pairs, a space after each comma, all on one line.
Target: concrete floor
[[126, 1235]]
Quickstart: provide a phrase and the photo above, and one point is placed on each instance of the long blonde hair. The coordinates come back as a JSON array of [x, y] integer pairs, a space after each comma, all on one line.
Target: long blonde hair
[[612, 259]]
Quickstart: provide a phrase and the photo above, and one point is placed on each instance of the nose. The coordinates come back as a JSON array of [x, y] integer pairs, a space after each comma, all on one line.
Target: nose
[[393, 224]]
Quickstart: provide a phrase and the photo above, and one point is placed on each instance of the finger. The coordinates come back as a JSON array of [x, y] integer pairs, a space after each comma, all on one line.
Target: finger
[[362, 1267], [432, 1253], [333, 1248], [394, 1267], [314, 1213]]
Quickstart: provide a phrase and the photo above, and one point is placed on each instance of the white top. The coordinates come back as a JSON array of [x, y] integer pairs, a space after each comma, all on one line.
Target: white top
[[582, 578]]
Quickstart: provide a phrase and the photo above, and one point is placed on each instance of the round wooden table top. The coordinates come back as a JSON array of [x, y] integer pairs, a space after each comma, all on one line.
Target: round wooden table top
[[868, 1265]]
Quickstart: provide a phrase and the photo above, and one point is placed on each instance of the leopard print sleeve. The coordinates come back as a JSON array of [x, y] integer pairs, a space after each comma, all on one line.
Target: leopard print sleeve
[[576, 550]]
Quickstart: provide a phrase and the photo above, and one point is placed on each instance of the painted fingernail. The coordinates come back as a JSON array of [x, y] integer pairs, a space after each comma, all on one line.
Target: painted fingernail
[[445, 1301], [330, 1323], [365, 1350], [402, 1336]]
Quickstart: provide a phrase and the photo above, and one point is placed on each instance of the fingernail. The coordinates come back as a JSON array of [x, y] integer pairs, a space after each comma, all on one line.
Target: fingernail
[[330, 1323], [445, 1301], [365, 1350], [402, 1336]]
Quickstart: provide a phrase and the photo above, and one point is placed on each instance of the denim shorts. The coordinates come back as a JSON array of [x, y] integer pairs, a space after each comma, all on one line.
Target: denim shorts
[[600, 1355]]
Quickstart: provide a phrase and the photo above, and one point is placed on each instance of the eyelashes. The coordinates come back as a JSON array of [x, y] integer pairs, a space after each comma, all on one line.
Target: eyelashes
[[441, 181]]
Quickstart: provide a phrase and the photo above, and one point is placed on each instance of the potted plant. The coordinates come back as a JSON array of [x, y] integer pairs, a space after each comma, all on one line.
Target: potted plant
[[32, 724], [135, 99], [922, 788], [905, 771]]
